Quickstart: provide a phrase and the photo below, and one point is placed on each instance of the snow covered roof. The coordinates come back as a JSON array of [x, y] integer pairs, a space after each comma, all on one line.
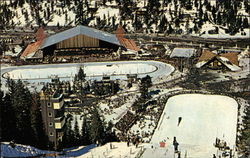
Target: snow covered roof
[[205, 57], [227, 62], [80, 30], [17, 51], [230, 60], [183, 52], [232, 57]]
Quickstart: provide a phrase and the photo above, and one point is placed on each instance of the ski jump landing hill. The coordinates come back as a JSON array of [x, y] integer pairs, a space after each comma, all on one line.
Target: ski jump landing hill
[[203, 119]]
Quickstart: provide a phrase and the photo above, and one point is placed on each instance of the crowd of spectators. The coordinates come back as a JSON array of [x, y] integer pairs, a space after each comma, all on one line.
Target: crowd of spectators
[[126, 121]]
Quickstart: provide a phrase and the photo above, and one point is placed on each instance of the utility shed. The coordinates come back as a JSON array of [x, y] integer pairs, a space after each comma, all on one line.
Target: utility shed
[[183, 57]]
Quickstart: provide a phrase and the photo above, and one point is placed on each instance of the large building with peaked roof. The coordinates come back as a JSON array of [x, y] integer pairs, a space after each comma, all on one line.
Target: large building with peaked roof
[[78, 40]]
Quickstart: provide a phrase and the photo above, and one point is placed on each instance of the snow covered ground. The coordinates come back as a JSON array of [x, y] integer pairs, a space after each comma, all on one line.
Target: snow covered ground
[[203, 119], [222, 34], [29, 151], [119, 150], [96, 70], [110, 13]]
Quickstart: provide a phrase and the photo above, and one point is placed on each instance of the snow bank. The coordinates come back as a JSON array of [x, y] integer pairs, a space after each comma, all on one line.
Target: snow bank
[[20, 151], [29, 151]]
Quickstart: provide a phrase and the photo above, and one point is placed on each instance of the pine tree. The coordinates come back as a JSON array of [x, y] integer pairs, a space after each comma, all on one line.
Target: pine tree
[[146, 82], [126, 10], [40, 138], [76, 133], [81, 14], [219, 18], [7, 118], [85, 137], [110, 135], [24, 116], [187, 26], [96, 128], [153, 7], [245, 133], [153, 10], [81, 75], [22, 106], [163, 23], [67, 140], [170, 29], [245, 23]]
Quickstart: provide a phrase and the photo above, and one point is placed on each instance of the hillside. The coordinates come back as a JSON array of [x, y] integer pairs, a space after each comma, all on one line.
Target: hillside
[[198, 17]]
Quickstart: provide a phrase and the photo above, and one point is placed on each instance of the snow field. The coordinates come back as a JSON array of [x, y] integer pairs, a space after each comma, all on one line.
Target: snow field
[[203, 119], [119, 150]]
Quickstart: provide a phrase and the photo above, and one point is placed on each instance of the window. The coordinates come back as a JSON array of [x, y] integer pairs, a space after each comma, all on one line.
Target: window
[[48, 104], [50, 124], [51, 134], [60, 138], [50, 114]]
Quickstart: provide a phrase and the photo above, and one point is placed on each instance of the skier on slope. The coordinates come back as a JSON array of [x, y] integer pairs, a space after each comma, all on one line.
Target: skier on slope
[[179, 120], [175, 143]]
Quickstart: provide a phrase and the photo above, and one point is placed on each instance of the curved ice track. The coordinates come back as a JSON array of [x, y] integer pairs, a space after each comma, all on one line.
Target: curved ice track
[[93, 70]]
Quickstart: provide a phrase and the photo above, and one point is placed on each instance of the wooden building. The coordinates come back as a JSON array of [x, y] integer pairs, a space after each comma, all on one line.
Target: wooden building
[[80, 40], [224, 61], [52, 99], [183, 57]]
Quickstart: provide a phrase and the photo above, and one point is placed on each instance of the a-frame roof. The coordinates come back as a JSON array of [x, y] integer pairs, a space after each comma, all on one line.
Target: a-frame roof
[[206, 55], [232, 57], [80, 30], [230, 60]]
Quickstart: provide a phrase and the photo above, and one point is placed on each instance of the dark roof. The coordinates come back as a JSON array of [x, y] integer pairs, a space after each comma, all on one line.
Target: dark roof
[[206, 55], [230, 60], [80, 30], [232, 57]]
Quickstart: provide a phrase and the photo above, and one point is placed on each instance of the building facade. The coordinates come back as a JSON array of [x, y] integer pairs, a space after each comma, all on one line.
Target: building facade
[[52, 106]]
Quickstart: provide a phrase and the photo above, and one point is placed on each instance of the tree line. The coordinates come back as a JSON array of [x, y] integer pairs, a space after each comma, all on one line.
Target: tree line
[[244, 138], [94, 131], [225, 14], [21, 119]]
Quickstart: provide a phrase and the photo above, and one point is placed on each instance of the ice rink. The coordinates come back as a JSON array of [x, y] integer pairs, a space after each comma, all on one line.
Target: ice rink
[[94, 70], [203, 119]]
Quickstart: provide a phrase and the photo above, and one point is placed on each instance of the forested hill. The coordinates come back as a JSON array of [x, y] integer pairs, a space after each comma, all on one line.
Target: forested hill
[[147, 16]]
